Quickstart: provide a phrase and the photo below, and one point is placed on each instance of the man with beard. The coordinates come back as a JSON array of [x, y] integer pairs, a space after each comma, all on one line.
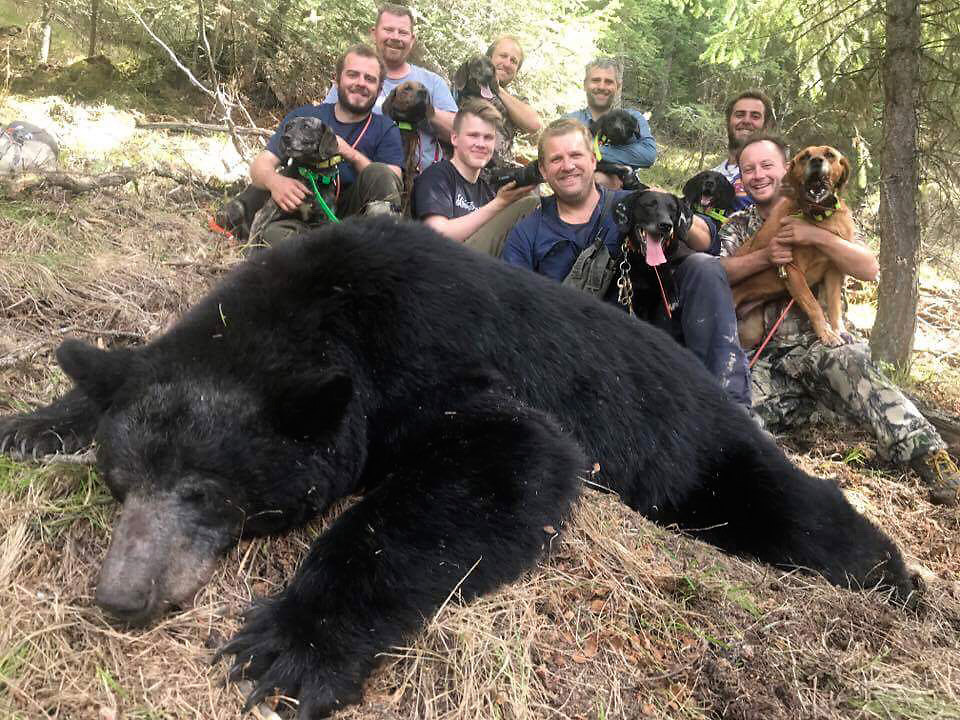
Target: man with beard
[[394, 37], [748, 113], [602, 82], [369, 144], [551, 238]]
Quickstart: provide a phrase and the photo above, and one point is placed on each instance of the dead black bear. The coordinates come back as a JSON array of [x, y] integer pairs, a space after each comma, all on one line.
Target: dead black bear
[[463, 397]]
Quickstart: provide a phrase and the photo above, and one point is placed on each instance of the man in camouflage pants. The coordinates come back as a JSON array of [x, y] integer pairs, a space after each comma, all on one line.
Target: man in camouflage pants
[[799, 380]]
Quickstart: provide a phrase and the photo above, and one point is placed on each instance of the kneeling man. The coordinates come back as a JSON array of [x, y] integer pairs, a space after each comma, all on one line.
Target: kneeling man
[[369, 144], [451, 197]]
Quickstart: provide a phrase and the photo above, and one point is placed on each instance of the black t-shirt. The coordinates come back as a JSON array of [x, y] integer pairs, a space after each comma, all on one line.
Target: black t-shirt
[[442, 190]]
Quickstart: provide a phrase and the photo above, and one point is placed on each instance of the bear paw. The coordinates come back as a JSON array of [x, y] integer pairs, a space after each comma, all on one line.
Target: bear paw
[[26, 436], [295, 662]]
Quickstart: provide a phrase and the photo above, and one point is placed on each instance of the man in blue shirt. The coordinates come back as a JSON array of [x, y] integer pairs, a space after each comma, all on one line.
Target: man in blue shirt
[[369, 144], [602, 82], [549, 241], [394, 37], [748, 113]]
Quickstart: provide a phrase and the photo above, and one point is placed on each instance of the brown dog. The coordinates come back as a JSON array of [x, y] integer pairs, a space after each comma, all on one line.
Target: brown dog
[[409, 105], [812, 185]]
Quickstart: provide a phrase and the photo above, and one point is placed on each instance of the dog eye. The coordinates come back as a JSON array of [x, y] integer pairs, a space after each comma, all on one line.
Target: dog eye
[[829, 155]]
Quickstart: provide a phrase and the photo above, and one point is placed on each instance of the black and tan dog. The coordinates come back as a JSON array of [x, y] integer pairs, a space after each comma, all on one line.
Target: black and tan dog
[[654, 227], [409, 105], [710, 193], [309, 153], [815, 177]]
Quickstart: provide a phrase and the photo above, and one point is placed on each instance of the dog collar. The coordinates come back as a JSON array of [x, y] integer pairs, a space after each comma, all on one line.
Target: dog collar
[[329, 162], [715, 214], [403, 125], [825, 212], [596, 148]]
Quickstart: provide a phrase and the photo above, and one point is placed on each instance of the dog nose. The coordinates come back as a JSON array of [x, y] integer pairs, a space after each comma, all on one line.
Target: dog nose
[[816, 162], [665, 228]]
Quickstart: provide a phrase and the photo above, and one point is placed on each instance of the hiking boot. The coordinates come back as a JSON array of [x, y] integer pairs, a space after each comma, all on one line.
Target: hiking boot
[[940, 473]]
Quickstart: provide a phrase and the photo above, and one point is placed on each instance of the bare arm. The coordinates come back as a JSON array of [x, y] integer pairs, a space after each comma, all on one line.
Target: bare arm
[[462, 228], [524, 116], [851, 258], [357, 159], [442, 124], [698, 236], [286, 192]]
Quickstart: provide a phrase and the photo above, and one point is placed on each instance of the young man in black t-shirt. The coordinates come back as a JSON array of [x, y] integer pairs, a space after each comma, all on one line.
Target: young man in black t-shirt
[[450, 197]]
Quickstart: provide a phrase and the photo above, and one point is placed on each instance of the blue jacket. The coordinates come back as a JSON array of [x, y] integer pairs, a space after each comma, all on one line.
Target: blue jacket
[[641, 153], [542, 242]]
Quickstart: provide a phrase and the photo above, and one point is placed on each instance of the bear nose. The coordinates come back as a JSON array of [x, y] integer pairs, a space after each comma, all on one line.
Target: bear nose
[[126, 605]]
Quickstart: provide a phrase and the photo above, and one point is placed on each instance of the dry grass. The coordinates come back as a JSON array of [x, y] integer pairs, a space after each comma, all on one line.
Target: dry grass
[[622, 620]]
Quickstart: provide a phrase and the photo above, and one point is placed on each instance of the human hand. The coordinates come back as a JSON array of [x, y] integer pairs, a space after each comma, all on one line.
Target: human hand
[[287, 193], [510, 193], [779, 250]]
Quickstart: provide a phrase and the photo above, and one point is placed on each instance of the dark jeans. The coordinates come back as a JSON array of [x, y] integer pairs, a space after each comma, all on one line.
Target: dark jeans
[[706, 323]]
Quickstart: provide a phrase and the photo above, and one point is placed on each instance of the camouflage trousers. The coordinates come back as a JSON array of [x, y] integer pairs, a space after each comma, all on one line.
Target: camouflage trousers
[[798, 380]]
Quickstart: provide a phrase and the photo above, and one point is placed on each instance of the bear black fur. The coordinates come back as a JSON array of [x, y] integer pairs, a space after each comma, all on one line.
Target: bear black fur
[[462, 396]]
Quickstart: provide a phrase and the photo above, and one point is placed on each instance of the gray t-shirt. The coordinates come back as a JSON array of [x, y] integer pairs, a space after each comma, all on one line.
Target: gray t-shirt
[[439, 95]]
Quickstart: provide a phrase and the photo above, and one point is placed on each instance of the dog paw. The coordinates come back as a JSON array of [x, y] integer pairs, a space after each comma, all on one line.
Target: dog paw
[[831, 339], [294, 662]]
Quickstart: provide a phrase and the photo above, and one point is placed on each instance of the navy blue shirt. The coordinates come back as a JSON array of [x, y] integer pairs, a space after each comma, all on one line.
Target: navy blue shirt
[[380, 143], [542, 242]]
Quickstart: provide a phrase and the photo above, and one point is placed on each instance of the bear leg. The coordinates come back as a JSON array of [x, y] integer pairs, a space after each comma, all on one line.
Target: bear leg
[[751, 500], [464, 508]]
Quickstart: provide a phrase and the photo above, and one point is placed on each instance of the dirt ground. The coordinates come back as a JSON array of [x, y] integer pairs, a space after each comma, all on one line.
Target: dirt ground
[[621, 620]]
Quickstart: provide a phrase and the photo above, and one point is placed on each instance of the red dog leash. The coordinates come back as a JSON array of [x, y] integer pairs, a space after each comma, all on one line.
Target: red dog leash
[[756, 355]]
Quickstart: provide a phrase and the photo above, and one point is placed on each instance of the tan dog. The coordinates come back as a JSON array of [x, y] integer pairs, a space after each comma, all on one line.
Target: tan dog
[[812, 185]]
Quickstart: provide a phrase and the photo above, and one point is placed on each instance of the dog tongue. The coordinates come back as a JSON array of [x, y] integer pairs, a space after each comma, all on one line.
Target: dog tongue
[[655, 254], [485, 92]]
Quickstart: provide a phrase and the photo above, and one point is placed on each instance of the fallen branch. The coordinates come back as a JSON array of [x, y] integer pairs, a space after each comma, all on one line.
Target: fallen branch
[[72, 183], [202, 128]]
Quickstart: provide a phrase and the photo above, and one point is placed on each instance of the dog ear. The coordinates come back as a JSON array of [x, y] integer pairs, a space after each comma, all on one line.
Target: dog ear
[[727, 196], [328, 143], [388, 103], [844, 174], [460, 77], [690, 188], [682, 219], [428, 111], [623, 212]]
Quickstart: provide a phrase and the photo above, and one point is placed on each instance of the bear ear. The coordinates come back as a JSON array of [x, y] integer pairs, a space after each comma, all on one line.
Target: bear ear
[[310, 405], [98, 373]]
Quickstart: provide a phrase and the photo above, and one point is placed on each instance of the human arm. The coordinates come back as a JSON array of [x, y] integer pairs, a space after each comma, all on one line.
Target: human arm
[[701, 234], [642, 152], [389, 151], [851, 258], [463, 227], [444, 108], [523, 116], [286, 192]]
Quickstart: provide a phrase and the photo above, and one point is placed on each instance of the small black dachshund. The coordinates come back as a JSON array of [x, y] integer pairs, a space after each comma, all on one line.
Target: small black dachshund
[[711, 193], [654, 226], [309, 153], [409, 105]]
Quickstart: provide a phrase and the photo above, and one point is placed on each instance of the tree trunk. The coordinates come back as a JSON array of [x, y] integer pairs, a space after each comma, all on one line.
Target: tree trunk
[[94, 20], [46, 30], [892, 338]]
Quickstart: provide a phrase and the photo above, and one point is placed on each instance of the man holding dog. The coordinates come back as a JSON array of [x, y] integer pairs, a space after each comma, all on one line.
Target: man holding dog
[[603, 81], [551, 239], [747, 114], [369, 145], [451, 197], [394, 37], [797, 379]]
